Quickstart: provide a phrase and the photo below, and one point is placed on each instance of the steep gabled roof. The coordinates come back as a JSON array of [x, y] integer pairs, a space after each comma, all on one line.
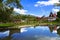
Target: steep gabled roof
[[52, 15]]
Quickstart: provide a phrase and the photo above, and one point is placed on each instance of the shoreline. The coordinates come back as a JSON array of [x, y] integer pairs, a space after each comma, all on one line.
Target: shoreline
[[12, 26], [22, 26]]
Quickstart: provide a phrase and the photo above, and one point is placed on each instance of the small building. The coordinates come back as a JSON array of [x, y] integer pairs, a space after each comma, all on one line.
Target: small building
[[52, 17], [16, 20]]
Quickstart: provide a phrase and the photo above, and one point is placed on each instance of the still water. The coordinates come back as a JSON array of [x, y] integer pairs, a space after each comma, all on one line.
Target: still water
[[31, 33]]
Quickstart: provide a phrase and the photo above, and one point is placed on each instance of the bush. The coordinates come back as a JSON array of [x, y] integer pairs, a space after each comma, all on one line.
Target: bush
[[58, 20]]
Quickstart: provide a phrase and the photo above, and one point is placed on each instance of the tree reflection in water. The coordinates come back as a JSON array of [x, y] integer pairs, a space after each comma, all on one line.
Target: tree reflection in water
[[58, 31]]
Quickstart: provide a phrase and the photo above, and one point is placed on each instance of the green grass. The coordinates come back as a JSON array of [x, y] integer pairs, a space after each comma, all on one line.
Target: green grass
[[37, 23], [28, 23], [7, 24]]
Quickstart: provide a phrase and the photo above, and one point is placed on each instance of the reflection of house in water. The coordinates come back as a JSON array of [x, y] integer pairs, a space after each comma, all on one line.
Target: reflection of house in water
[[51, 28], [55, 29], [52, 17]]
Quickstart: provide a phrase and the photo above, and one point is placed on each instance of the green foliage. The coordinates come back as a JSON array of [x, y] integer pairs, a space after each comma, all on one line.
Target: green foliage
[[5, 14], [58, 14], [58, 31], [58, 20], [1, 1], [25, 17], [15, 3], [6, 9], [7, 24], [57, 4], [58, 17]]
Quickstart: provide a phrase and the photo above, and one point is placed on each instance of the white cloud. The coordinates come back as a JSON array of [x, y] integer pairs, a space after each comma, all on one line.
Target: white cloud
[[46, 3], [25, 12], [55, 10], [22, 11], [36, 5]]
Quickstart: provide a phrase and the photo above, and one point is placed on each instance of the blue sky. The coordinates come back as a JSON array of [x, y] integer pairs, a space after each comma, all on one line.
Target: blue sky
[[38, 7]]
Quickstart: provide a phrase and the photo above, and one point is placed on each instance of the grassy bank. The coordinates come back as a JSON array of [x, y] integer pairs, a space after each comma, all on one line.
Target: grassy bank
[[7, 24], [28, 23]]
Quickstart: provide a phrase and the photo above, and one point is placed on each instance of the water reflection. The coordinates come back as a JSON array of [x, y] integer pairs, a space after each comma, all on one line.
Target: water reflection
[[4, 34], [58, 31], [37, 33], [23, 30], [32, 33]]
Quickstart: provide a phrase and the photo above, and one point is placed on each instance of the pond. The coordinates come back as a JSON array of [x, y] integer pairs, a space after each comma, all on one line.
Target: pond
[[31, 33]]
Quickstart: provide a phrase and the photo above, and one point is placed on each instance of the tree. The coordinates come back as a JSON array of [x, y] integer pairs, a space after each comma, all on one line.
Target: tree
[[58, 31], [15, 3], [5, 15], [57, 4], [58, 14], [58, 17], [6, 9]]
